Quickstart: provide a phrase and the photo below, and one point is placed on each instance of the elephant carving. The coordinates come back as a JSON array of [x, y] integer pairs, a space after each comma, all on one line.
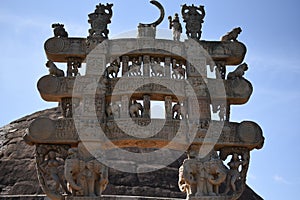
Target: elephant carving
[[85, 178]]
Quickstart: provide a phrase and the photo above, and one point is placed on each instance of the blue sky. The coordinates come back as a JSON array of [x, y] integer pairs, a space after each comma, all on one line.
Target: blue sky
[[271, 33]]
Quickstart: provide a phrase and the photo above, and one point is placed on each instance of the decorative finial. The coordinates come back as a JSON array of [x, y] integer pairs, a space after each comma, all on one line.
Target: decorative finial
[[193, 17]]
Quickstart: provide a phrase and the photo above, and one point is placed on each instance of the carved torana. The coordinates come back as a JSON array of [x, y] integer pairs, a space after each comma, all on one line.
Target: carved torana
[[107, 97]]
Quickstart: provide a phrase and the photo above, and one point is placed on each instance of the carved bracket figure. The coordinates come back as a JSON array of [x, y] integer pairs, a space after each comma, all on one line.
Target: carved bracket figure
[[193, 17], [238, 168], [50, 164], [59, 30], [232, 35]]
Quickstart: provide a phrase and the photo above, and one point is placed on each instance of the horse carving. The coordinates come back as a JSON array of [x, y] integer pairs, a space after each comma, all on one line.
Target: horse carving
[[113, 69], [135, 67]]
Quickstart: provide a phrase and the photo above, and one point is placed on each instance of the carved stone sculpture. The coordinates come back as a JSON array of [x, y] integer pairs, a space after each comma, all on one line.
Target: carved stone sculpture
[[50, 165], [178, 111], [135, 67], [99, 20], [59, 30], [113, 69], [222, 112], [136, 109], [193, 17], [157, 69], [232, 35], [176, 26], [172, 72], [85, 178], [112, 111], [72, 66], [54, 70], [200, 177], [178, 70], [238, 72]]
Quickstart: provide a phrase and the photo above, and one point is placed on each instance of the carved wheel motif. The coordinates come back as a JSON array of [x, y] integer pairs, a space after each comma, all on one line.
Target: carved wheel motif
[[54, 45]]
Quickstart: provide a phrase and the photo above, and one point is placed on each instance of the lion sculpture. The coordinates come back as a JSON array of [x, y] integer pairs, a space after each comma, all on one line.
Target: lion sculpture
[[238, 72], [54, 70], [232, 35]]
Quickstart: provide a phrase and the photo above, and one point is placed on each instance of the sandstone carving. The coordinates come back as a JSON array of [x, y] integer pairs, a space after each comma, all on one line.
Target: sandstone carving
[[178, 111], [238, 72], [59, 30], [136, 109], [99, 20], [193, 17], [232, 35], [54, 70], [161, 17], [176, 26], [157, 69], [112, 104], [113, 69], [85, 178], [200, 177], [178, 70]]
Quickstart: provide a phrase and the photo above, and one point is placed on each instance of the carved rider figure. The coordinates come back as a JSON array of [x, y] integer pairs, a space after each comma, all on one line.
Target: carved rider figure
[[193, 17], [99, 20]]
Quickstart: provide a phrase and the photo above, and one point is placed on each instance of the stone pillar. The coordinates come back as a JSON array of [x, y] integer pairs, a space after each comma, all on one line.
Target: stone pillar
[[168, 67], [125, 60], [227, 112], [146, 66], [124, 112], [146, 113], [168, 107]]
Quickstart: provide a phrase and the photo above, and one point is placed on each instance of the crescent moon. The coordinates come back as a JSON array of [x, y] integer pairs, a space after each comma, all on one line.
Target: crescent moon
[[161, 17]]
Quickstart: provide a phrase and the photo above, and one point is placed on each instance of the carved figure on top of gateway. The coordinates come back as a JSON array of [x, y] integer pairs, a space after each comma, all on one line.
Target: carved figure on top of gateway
[[193, 17], [100, 19]]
